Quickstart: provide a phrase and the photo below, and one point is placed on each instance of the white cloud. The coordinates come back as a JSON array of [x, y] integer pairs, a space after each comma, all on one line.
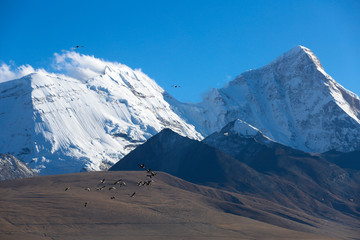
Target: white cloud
[[68, 64], [81, 66], [8, 72], [11, 72], [5, 73]]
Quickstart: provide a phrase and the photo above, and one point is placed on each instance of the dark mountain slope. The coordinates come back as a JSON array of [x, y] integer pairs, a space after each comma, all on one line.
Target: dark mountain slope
[[349, 160], [190, 160], [274, 172], [314, 178]]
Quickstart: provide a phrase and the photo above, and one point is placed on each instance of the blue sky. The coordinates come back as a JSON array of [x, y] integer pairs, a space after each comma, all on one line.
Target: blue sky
[[196, 44]]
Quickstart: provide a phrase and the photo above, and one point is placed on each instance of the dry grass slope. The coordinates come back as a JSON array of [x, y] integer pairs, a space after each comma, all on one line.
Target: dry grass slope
[[169, 208]]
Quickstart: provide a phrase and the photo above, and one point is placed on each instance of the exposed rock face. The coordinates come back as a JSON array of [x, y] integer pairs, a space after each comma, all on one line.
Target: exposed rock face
[[13, 168]]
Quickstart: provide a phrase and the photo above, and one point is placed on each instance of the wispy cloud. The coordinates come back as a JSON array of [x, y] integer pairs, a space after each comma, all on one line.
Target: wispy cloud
[[81, 66], [10, 72], [67, 63]]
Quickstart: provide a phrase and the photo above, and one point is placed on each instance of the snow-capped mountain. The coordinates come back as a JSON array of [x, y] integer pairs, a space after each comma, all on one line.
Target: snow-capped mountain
[[292, 100], [13, 168], [98, 111], [59, 124]]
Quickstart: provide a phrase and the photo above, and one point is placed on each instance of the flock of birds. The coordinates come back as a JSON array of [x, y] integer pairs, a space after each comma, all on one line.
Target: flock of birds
[[120, 183], [149, 173]]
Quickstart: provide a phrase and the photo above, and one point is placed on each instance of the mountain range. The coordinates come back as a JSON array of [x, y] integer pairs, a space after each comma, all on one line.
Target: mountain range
[[268, 170], [61, 124], [273, 154]]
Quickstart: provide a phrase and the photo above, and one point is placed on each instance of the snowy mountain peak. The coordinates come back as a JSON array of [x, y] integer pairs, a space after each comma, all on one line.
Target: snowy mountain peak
[[297, 58], [295, 53], [107, 70], [61, 124], [290, 100], [243, 130]]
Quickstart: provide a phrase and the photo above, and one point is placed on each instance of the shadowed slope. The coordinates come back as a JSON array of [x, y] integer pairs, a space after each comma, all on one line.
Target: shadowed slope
[[192, 161], [309, 180], [274, 172], [350, 160]]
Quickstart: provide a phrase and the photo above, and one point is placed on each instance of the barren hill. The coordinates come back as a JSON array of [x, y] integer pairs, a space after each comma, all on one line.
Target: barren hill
[[169, 208]]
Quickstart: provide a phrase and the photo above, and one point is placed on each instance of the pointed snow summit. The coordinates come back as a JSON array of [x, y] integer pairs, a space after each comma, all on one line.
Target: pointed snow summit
[[238, 129], [291, 100], [243, 129]]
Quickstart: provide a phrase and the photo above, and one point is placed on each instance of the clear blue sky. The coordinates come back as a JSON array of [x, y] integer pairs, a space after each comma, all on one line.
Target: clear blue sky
[[196, 44]]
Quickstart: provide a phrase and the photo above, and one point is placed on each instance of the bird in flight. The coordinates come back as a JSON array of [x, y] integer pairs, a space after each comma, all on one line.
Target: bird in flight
[[76, 47], [102, 180], [148, 182], [142, 165], [118, 181], [87, 189], [133, 194], [152, 174], [112, 197], [68, 188], [30, 162], [175, 86], [100, 188], [110, 188]]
